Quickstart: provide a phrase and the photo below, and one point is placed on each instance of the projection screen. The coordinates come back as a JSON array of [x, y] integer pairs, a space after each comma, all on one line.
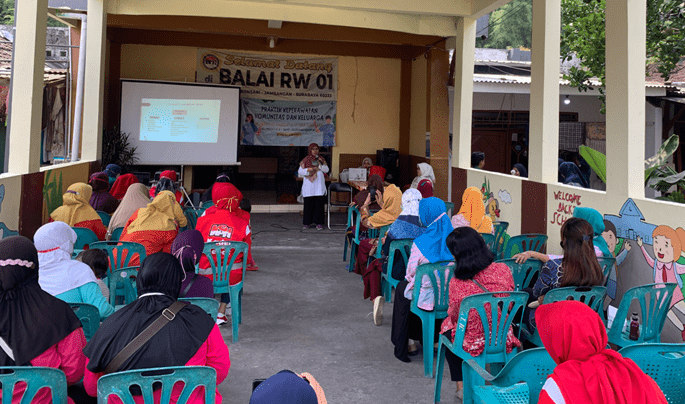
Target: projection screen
[[181, 123]]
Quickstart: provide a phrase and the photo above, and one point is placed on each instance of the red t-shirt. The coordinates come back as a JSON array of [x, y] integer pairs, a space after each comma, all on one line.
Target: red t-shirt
[[222, 225]]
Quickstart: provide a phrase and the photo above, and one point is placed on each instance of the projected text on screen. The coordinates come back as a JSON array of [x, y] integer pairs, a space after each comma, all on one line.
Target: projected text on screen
[[174, 120]]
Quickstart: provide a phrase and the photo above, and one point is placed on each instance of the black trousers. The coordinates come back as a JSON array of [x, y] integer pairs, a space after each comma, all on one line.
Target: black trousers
[[406, 324], [454, 362], [314, 210]]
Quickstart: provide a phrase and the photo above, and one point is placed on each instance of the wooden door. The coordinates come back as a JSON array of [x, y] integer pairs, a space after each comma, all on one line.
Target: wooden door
[[496, 144]]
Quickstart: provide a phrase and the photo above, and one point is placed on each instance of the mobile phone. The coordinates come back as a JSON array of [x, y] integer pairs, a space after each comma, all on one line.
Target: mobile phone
[[372, 193], [256, 382]]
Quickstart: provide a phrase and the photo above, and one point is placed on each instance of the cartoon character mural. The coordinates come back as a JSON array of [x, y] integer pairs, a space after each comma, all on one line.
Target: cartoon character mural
[[4, 230], [491, 203], [667, 246]]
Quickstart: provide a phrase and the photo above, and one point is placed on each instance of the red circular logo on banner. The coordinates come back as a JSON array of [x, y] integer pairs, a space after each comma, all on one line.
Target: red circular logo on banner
[[210, 62]]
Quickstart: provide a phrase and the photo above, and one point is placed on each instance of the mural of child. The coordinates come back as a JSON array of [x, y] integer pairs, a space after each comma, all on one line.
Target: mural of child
[[668, 246], [609, 236]]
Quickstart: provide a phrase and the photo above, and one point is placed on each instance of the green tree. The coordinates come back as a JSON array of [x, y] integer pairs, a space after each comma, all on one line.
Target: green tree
[[7, 15], [510, 26], [583, 35]]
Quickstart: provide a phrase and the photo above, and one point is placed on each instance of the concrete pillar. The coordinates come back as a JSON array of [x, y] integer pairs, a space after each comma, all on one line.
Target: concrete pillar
[[91, 143], [625, 89], [27, 87], [462, 106], [438, 117], [544, 92]]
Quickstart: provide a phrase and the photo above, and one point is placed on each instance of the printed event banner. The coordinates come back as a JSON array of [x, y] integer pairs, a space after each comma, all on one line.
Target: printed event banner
[[287, 123], [270, 77]]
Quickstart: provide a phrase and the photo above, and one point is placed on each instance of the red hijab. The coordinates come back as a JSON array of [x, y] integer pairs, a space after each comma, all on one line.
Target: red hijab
[[588, 372], [307, 161], [121, 185], [225, 196], [377, 170], [426, 188]]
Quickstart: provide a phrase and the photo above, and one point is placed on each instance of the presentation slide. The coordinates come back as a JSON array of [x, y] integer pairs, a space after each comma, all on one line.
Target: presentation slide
[[181, 123], [179, 120]]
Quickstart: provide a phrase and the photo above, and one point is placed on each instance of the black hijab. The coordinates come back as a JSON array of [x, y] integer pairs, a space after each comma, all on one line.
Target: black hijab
[[31, 320], [207, 196], [174, 344]]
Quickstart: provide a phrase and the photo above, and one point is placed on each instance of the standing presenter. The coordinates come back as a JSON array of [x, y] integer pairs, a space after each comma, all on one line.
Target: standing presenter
[[312, 168]]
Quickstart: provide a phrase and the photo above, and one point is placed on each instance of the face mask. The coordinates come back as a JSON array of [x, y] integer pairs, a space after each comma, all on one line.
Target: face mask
[[513, 172]]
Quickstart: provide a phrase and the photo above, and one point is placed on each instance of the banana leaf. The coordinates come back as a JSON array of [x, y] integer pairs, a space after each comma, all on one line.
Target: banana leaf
[[596, 160], [665, 151], [662, 184]]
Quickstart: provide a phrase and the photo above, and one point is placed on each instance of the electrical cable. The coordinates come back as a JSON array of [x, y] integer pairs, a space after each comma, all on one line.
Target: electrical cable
[[502, 18]]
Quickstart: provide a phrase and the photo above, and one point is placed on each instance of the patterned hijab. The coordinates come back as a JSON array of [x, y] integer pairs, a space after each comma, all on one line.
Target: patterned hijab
[[76, 205], [473, 210], [392, 207], [408, 225]]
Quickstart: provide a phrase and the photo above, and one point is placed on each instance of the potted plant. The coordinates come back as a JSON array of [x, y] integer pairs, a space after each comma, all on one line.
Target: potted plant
[[116, 149]]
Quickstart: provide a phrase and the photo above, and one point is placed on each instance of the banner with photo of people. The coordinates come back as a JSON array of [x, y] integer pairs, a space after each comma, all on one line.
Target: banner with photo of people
[[285, 101], [287, 123]]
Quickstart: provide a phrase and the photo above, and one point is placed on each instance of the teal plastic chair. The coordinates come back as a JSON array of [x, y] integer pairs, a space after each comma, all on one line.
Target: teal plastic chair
[[591, 296], [607, 264], [520, 381], [500, 232], [116, 234], [490, 241], [34, 378], [125, 251], [192, 215], [495, 349], [221, 256], [523, 273], [449, 208], [122, 283], [105, 217], [655, 301], [211, 306], [665, 363], [387, 281], [524, 242], [379, 250], [89, 316], [355, 240], [207, 204], [352, 213], [84, 238], [190, 377], [441, 302]]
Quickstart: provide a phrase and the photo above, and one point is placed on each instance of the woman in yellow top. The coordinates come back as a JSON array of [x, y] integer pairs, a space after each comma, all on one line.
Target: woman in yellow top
[[77, 212], [156, 225], [472, 212]]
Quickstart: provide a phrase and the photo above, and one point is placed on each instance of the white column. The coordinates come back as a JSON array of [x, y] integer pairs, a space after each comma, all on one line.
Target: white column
[[544, 92], [27, 87], [462, 105], [94, 86], [625, 89]]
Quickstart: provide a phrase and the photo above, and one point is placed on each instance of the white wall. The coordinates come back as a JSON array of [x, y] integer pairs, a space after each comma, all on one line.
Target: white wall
[[587, 106]]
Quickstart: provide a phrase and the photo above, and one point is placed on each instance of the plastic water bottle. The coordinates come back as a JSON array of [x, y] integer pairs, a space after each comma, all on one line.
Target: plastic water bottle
[[634, 327]]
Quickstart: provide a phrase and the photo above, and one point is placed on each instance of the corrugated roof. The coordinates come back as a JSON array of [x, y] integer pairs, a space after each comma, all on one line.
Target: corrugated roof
[[512, 79]]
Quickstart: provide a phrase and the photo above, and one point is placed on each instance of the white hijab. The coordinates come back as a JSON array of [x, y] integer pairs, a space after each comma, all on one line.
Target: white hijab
[[410, 202], [57, 273], [426, 174]]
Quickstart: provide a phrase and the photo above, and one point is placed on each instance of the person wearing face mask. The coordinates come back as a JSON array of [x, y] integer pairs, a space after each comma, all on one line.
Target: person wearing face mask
[[519, 170], [190, 339]]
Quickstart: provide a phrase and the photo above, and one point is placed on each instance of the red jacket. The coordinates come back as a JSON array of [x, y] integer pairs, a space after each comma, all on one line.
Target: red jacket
[[67, 356], [222, 225], [213, 353]]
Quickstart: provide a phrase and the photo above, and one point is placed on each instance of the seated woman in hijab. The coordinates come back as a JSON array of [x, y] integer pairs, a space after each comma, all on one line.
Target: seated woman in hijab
[[155, 226], [587, 372], [391, 201], [101, 199], [222, 222], [36, 329], [472, 212], [62, 277], [136, 198], [187, 248], [113, 171], [190, 339], [424, 171], [207, 196], [406, 227], [170, 175], [121, 185], [430, 247], [77, 212], [519, 170], [287, 387], [374, 182]]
